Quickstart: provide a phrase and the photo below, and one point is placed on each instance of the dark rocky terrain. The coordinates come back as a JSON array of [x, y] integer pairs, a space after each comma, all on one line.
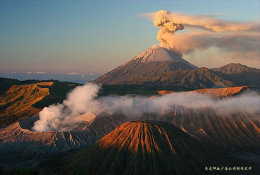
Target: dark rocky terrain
[[22, 147]]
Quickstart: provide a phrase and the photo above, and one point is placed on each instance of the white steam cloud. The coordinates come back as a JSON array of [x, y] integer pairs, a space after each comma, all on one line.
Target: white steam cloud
[[83, 100], [68, 116]]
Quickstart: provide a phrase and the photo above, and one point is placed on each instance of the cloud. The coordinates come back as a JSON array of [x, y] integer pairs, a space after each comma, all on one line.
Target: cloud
[[234, 41], [40, 72], [189, 42], [73, 73], [213, 50], [206, 22], [83, 100], [67, 116], [215, 57]]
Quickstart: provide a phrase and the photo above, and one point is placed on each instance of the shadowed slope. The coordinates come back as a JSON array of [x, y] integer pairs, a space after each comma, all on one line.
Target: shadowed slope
[[20, 146], [235, 68], [141, 147], [240, 74], [161, 67]]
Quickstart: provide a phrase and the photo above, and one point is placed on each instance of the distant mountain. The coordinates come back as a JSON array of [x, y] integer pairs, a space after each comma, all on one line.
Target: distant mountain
[[158, 66], [69, 77], [141, 147], [235, 68], [240, 74]]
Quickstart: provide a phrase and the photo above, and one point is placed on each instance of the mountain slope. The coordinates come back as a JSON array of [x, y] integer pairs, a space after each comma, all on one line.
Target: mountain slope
[[22, 99], [223, 92], [22, 147], [235, 68], [188, 79], [17, 102], [240, 74], [161, 67], [194, 79], [141, 147], [150, 63], [215, 92]]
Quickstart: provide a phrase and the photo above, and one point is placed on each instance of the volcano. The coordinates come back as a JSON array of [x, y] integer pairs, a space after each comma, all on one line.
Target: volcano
[[20, 146], [158, 66], [151, 63], [141, 147]]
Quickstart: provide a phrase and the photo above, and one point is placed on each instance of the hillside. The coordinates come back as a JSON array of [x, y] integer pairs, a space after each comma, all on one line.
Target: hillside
[[22, 99], [161, 67], [22, 147], [193, 79], [17, 102], [240, 74], [141, 147], [223, 92], [235, 68], [149, 64], [216, 92]]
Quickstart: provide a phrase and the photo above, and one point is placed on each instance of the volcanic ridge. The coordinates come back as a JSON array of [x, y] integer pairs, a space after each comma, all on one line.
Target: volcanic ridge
[[141, 147], [159, 66]]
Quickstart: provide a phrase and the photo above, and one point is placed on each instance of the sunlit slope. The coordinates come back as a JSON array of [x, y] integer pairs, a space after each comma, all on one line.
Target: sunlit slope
[[216, 92], [16, 103], [142, 147], [26, 98], [239, 129], [223, 92]]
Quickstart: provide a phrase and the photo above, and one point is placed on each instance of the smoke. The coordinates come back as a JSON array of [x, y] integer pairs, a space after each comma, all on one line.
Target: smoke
[[167, 25], [235, 41], [204, 22], [68, 115], [82, 104]]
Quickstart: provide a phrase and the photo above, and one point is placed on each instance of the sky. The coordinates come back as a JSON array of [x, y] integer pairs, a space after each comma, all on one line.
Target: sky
[[93, 37]]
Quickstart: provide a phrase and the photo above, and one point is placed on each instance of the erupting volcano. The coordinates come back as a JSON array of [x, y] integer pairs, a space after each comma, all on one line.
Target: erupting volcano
[[158, 66], [155, 114]]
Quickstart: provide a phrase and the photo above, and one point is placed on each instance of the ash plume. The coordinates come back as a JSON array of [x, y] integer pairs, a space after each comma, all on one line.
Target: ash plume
[[167, 25], [84, 100], [208, 38]]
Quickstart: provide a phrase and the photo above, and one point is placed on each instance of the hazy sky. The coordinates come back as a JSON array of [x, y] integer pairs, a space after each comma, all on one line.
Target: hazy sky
[[95, 36]]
